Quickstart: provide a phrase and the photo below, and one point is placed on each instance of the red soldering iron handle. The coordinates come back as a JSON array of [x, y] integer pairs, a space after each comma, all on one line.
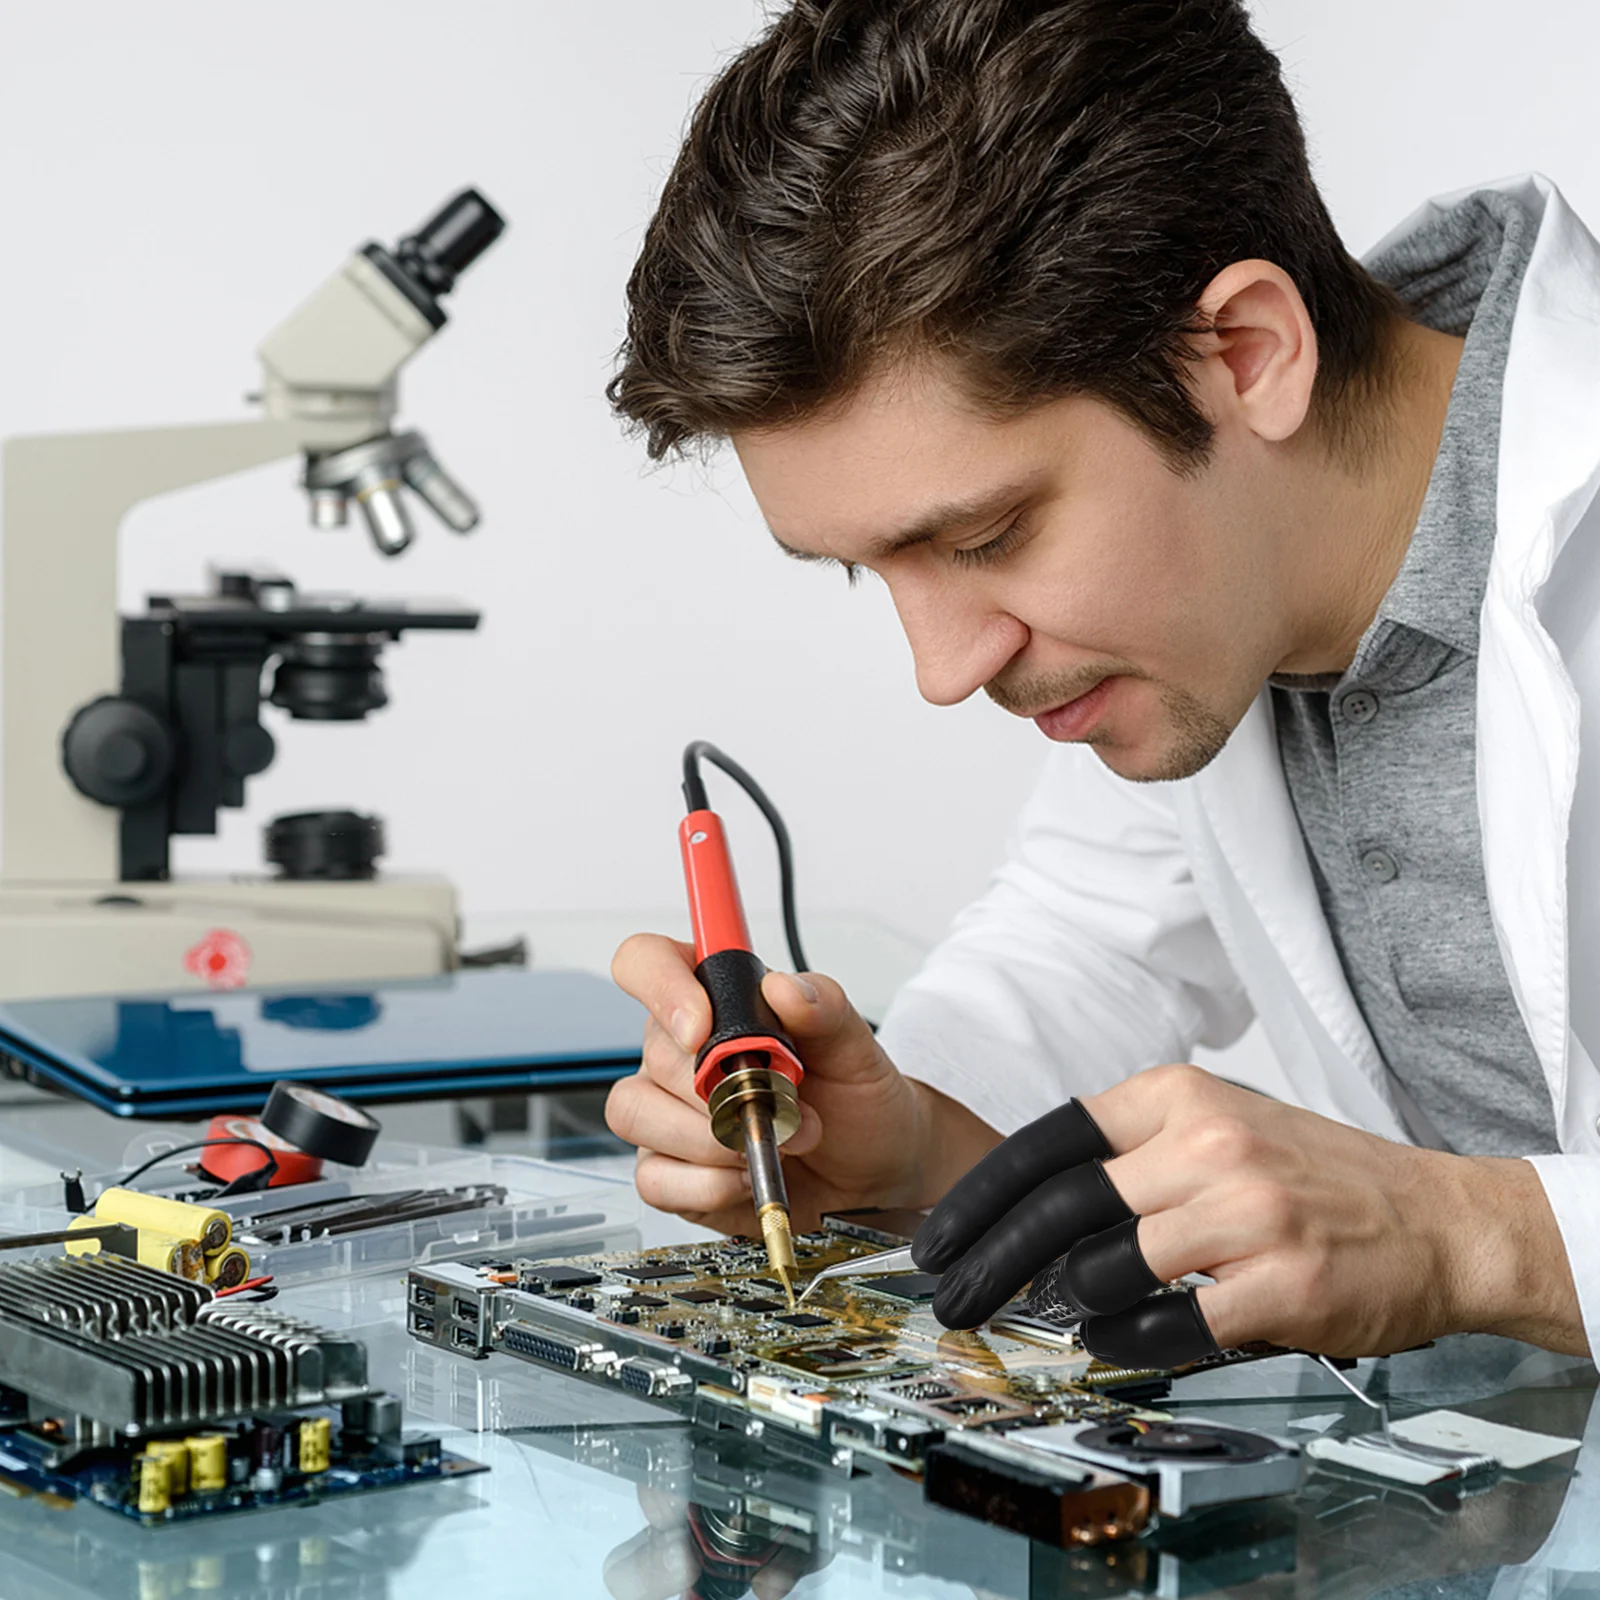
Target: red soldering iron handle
[[742, 1022]]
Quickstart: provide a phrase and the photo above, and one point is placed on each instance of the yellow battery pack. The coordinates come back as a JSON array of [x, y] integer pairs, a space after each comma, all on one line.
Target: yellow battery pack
[[183, 1258], [228, 1270], [176, 1218]]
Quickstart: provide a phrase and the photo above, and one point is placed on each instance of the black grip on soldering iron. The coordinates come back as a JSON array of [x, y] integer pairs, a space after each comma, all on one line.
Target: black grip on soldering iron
[[739, 1010]]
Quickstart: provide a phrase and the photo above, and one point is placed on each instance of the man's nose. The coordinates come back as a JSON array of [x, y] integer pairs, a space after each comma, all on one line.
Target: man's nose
[[957, 645]]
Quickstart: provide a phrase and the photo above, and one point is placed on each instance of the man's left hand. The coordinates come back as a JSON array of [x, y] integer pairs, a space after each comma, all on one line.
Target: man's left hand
[[1317, 1236]]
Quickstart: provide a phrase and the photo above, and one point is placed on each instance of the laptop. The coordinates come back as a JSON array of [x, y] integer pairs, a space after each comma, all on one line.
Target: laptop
[[194, 1054]]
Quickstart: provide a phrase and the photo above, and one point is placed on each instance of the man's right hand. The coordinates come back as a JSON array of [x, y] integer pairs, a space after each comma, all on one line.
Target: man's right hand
[[868, 1136]]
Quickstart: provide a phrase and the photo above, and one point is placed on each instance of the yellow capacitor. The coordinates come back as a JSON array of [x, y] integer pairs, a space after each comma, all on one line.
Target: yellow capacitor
[[316, 1435], [211, 1228], [229, 1269], [208, 1461], [176, 1455], [155, 1483]]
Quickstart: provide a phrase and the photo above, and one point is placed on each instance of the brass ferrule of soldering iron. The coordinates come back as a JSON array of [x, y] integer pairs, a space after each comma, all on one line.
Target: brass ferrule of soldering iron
[[756, 1110]]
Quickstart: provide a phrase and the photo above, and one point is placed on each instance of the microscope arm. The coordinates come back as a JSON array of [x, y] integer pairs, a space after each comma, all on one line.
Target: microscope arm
[[60, 645]]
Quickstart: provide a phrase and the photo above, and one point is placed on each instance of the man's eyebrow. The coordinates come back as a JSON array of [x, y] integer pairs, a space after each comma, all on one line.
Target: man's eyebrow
[[930, 525]]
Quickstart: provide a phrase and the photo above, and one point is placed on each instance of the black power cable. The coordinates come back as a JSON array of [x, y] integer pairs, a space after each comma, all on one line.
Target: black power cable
[[246, 1183], [694, 796]]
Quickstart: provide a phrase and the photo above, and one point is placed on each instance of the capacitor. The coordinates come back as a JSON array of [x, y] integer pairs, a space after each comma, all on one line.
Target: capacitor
[[155, 1484], [208, 1461], [176, 1455]]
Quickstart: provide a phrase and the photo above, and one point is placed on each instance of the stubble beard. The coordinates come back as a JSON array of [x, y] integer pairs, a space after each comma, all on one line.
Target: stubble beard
[[1197, 733]]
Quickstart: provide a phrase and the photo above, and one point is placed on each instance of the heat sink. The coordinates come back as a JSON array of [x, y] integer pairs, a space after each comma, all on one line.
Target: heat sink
[[135, 1350]]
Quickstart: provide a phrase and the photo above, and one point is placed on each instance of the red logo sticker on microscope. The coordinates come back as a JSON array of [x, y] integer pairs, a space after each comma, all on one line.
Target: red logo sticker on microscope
[[222, 959]]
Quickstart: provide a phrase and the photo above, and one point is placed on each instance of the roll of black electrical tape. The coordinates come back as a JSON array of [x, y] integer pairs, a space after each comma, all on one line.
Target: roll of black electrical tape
[[321, 1124]]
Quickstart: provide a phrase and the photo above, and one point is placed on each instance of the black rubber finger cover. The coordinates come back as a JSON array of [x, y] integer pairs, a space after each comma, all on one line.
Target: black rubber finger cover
[[1106, 1272], [1167, 1330], [1064, 1138], [1037, 1229]]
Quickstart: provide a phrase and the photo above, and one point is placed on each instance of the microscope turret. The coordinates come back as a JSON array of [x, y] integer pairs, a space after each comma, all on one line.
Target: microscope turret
[[330, 369], [119, 733]]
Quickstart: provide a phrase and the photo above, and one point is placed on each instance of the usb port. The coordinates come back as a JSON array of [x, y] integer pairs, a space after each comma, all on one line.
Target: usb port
[[422, 1295], [467, 1311], [421, 1324], [465, 1338]]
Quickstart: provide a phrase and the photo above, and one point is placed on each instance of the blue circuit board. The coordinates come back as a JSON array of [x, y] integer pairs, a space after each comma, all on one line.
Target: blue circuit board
[[108, 1479]]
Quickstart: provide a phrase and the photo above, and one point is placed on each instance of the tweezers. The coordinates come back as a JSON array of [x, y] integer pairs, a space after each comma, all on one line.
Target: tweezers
[[865, 1266]]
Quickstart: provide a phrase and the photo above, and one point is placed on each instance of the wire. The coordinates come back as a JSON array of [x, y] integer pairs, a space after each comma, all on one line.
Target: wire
[[694, 796], [261, 1176]]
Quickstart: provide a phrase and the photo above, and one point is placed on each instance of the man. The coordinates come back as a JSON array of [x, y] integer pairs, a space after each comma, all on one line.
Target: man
[[1031, 308]]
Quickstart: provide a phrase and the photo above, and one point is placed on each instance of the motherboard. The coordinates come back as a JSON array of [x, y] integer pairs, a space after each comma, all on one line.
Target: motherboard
[[1016, 1414], [149, 1395]]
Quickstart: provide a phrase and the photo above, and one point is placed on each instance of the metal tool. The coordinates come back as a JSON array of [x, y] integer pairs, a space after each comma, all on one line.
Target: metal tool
[[1459, 1463], [747, 1072], [885, 1261]]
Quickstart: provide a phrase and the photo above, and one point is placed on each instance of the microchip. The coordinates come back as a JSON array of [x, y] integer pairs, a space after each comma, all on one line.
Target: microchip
[[804, 1319], [542, 1280], [651, 1272], [697, 1297], [640, 1302], [763, 1306], [765, 1285], [904, 1285]]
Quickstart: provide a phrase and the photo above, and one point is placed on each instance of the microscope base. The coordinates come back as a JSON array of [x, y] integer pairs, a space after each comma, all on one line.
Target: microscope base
[[126, 938]]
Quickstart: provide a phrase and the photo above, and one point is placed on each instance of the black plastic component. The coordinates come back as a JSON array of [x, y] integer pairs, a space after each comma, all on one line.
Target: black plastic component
[[338, 845], [451, 240], [552, 1280], [647, 1272], [1167, 1330], [1106, 1272], [732, 980], [330, 677], [1024, 1239], [908, 1286], [320, 1124], [1063, 1138], [195, 664], [1042, 1506], [117, 751]]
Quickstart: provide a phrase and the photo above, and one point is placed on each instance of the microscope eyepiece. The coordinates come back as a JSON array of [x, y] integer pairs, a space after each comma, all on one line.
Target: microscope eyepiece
[[451, 240]]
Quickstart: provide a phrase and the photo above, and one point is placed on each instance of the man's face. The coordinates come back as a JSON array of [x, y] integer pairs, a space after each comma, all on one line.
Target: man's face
[[1053, 559]]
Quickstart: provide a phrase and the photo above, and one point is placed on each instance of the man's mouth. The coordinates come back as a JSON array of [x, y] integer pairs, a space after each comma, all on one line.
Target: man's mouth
[[1075, 720]]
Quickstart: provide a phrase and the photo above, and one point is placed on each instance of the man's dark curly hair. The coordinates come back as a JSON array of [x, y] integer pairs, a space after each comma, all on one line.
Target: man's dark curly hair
[[1037, 189]]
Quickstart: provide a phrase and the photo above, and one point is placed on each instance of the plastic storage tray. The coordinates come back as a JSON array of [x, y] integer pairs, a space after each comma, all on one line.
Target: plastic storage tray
[[548, 1207]]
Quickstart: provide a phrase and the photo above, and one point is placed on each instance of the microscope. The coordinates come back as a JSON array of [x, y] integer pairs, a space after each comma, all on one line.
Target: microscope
[[118, 734]]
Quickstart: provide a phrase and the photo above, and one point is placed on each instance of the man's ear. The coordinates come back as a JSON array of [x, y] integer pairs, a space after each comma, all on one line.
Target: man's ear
[[1263, 346]]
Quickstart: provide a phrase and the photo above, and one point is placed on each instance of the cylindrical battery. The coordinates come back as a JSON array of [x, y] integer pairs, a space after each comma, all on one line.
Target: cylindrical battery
[[176, 1218], [228, 1270]]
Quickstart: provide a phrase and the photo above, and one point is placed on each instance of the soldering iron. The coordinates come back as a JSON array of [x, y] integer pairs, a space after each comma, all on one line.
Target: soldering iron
[[747, 1071]]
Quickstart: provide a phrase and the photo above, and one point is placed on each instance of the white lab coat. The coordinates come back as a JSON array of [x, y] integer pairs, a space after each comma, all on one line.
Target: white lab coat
[[1132, 923]]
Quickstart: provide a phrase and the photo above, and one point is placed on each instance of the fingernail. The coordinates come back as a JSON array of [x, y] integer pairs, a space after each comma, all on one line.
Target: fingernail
[[808, 990], [682, 1027], [744, 1178]]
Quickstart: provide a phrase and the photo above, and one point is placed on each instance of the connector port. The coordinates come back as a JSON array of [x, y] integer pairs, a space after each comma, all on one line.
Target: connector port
[[467, 1311], [554, 1349], [464, 1338], [422, 1295], [422, 1325]]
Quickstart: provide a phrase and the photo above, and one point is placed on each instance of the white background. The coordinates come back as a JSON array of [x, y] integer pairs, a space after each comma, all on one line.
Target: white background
[[178, 175]]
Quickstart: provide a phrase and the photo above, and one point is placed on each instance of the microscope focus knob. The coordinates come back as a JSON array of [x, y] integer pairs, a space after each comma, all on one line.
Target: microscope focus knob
[[117, 752]]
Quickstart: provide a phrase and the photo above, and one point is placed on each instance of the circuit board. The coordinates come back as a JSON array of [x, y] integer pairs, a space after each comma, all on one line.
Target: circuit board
[[861, 1368], [148, 1395], [112, 1479]]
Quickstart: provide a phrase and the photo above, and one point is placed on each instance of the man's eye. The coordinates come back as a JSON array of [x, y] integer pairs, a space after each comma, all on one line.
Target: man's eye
[[991, 550]]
